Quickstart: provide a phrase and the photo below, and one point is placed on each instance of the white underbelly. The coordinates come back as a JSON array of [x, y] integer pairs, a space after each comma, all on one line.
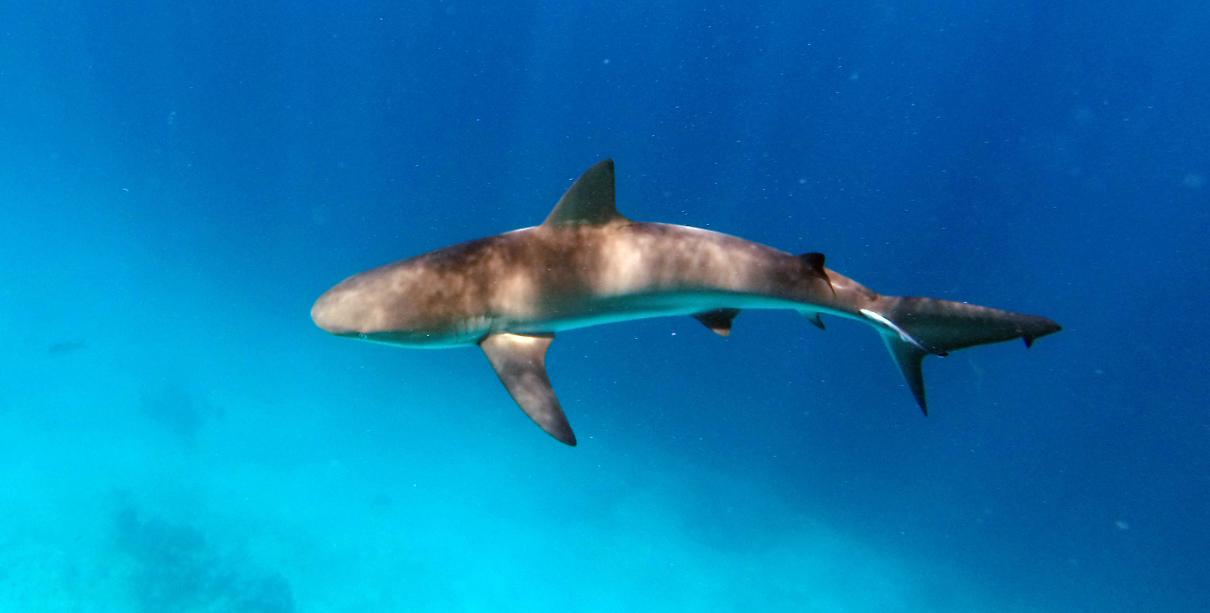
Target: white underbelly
[[630, 308]]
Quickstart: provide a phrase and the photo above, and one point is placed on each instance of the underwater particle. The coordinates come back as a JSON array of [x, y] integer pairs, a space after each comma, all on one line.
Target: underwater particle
[[1193, 180], [1121, 524]]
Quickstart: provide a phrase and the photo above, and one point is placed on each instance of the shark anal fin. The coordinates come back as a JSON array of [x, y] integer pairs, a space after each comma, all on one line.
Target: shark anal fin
[[590, 200], [520, 362], [815, 263], [718, 320], [816, 320], [910, 359]]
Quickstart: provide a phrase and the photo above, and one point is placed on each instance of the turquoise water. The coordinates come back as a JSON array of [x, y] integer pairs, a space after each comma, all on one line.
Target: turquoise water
[[180, 183]]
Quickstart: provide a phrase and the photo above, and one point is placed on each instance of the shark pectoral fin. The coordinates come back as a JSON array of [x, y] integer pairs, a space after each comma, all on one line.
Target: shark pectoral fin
[[718, 320], [520, 362], [910, 359], [590, 200]]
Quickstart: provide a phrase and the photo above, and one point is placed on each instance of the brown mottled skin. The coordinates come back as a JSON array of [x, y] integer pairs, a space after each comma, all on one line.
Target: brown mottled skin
[[553, 278], [588, 265]]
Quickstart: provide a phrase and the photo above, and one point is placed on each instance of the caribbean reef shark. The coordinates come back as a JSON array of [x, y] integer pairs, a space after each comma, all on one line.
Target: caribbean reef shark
[[588, 265]]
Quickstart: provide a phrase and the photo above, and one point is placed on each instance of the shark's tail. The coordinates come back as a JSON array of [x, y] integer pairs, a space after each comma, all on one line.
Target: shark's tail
[[915, 327]]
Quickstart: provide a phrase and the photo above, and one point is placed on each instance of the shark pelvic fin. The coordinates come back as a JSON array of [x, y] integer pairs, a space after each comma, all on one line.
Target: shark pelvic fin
[[718, 320], [590, 200], [520, 362]]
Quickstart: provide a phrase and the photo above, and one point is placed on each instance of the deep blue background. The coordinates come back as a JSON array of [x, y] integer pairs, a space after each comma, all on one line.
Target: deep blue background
[[179, 183]]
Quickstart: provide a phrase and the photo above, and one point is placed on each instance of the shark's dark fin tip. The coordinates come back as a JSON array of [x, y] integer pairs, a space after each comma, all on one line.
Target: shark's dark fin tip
[[1029, 341], [815, 263], [570, 440]]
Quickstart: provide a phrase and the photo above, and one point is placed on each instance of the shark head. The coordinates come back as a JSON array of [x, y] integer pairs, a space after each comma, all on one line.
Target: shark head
[[414, 302], [355, 307]]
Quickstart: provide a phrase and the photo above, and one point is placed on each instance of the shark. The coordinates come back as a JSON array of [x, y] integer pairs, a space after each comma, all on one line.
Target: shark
[[588, 265]]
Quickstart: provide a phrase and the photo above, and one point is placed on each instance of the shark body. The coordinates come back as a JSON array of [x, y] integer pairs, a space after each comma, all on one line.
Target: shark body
[[588, 265]]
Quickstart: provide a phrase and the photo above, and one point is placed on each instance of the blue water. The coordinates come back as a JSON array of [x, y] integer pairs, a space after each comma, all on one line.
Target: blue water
[[178, 183]]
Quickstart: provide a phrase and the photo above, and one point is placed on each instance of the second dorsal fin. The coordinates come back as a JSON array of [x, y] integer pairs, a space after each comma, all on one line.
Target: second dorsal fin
[[815, 263], [590, 200]]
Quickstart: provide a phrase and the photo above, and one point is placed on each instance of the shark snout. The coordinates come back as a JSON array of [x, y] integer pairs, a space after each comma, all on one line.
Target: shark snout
[[321, 312], [332, 312]]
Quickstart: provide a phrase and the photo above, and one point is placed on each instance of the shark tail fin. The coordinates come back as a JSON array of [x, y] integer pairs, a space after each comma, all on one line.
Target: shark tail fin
[[915, 327]]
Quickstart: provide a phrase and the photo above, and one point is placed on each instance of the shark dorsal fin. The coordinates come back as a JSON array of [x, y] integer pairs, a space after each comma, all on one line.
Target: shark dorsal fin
[[590, 200]]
